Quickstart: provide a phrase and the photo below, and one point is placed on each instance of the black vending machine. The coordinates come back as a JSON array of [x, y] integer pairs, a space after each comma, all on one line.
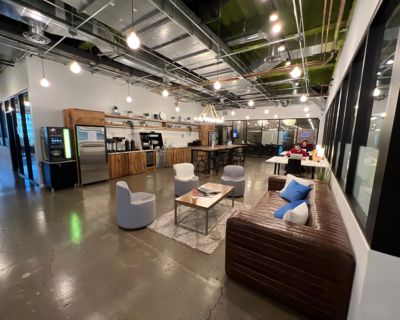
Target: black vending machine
[[59, 169]]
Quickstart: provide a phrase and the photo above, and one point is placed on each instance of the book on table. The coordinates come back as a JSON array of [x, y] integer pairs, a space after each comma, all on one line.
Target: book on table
[[208, 191]]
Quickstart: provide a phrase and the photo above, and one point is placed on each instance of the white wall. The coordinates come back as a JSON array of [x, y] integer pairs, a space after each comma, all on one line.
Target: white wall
[[14, 80], [363, 14], [5, 158], [376, 285], [95, 92]]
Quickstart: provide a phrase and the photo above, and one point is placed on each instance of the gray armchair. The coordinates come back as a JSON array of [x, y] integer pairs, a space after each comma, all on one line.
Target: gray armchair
[[184, 180], [134, 210], [234, 176]]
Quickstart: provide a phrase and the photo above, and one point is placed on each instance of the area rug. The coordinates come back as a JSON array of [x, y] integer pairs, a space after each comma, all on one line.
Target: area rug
[[196, 219]]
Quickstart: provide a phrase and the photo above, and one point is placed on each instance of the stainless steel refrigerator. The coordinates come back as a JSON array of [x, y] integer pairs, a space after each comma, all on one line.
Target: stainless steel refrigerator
[[92, 154]]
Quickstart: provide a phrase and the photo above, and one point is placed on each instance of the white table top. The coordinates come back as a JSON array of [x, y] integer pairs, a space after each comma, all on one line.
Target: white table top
[[305, 163]]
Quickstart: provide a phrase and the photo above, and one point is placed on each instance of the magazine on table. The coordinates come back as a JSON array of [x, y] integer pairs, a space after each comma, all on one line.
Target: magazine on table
[[208, 191]]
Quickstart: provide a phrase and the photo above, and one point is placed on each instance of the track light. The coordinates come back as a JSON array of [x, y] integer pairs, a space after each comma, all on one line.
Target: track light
[[276, 28], [251, 103], [233, 113], [165, 93], [306, 109], [295, 72], [133, 41], [75, 67], [273, 17], [266, 111], [303, 98], [377, 92], [217, 85]]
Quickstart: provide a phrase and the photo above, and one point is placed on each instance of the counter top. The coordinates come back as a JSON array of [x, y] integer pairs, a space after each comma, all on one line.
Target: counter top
[[132, 151]]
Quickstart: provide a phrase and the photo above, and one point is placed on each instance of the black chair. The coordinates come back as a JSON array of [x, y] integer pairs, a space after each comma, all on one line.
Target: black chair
[[294, 167]]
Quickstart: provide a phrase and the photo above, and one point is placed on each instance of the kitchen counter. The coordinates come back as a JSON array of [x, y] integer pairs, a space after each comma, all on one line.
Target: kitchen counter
[[131, 151]]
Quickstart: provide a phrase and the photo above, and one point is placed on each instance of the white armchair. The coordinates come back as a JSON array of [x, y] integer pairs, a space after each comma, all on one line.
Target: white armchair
[[185, 179], [234, 176], [134, 210]]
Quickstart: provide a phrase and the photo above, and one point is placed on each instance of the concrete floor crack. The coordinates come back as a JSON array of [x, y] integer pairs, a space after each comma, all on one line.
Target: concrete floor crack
[[218, 302], [51, 264]]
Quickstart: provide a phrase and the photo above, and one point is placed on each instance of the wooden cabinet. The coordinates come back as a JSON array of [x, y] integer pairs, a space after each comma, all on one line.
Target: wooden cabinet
[[118, 165], [187, 155], [137, 162], [170, 158]]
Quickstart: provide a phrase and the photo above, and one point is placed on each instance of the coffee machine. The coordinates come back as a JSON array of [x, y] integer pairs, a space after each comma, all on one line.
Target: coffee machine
[[56, 144]]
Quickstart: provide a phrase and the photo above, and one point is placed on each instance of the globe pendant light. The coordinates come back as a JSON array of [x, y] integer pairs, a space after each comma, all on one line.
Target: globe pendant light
[[233, 113], [266, 111], [217, 85], [251, 103], [303, 98], [44, 82], [306, 109], [295, 72], [276, 114], [128, 98], [133, 41], [75, 67], [165, 93]]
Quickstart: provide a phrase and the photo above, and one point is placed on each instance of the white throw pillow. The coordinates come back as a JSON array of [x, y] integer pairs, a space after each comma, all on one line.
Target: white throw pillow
[[289, 179], [298, 215]]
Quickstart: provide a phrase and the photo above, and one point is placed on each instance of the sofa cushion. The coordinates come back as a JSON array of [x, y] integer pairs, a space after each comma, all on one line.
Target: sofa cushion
[[269, 204], [295, 191], [290, 178], [298, 215], [280, 213]]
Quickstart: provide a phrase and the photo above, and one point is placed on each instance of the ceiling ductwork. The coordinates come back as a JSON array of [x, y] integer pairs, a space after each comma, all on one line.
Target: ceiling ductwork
[[273, 54], [36, 33]]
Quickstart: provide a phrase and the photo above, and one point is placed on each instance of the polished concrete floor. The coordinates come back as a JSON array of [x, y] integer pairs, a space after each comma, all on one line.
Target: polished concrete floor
[[62, 256]]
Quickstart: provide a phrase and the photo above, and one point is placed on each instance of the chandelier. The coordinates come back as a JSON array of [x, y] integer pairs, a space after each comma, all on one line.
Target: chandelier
[[213, 118]]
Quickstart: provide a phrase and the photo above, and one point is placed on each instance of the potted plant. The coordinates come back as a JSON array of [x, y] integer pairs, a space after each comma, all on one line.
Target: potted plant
[[130, 113], [190, 128], [144, 123], [173, 118], [147, 115], [323, 175], [188, 119], [115, 110], [132, 126]]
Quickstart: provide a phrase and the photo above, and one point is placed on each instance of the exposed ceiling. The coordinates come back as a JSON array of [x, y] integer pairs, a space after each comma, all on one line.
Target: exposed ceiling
[[186, 45]]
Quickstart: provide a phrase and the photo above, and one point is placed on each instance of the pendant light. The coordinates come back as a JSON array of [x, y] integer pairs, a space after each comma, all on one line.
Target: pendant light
[[233, 113], [217, 85], [273, 17], [251, 102], [128, 98], [266, 111], [133, 41], [288, 62], [306, 109], [165, 93], [295, 72], [276, 114], [177, 109], [303, 98], [74, 67], [44, 82], [276, 28]]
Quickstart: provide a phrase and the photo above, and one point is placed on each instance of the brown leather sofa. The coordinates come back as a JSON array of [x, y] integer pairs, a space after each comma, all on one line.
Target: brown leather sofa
[[309, 268]]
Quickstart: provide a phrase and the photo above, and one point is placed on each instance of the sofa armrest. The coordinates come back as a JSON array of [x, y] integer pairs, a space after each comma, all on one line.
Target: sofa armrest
[[276, 183], [309, 269]]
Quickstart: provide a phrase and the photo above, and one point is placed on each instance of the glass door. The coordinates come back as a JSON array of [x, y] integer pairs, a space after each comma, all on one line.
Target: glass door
[[254, 138]]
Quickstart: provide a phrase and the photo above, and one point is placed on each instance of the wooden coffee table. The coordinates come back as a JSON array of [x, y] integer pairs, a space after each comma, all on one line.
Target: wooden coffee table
[[205, 204]]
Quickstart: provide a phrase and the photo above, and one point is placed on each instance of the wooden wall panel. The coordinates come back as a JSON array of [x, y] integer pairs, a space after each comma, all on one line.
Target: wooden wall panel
[[187, 155], [118, 165], [88, 117], [178, 156]]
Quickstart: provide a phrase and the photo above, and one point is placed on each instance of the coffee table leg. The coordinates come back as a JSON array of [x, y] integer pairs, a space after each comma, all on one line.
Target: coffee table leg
[[207, 222], [275, 169], [176, 213]]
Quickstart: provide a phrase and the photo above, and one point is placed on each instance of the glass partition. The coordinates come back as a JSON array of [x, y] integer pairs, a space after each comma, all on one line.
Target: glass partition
[[254, 137], [270, 138], [239, 132], [287, 133]]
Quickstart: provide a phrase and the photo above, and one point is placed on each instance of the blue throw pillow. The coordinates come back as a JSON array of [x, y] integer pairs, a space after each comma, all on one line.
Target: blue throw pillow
[[290, 206], [295, 191]]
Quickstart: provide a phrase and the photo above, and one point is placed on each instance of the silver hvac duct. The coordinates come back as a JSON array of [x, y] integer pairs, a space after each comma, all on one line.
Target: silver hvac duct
[[273, 54], [36, 33]]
